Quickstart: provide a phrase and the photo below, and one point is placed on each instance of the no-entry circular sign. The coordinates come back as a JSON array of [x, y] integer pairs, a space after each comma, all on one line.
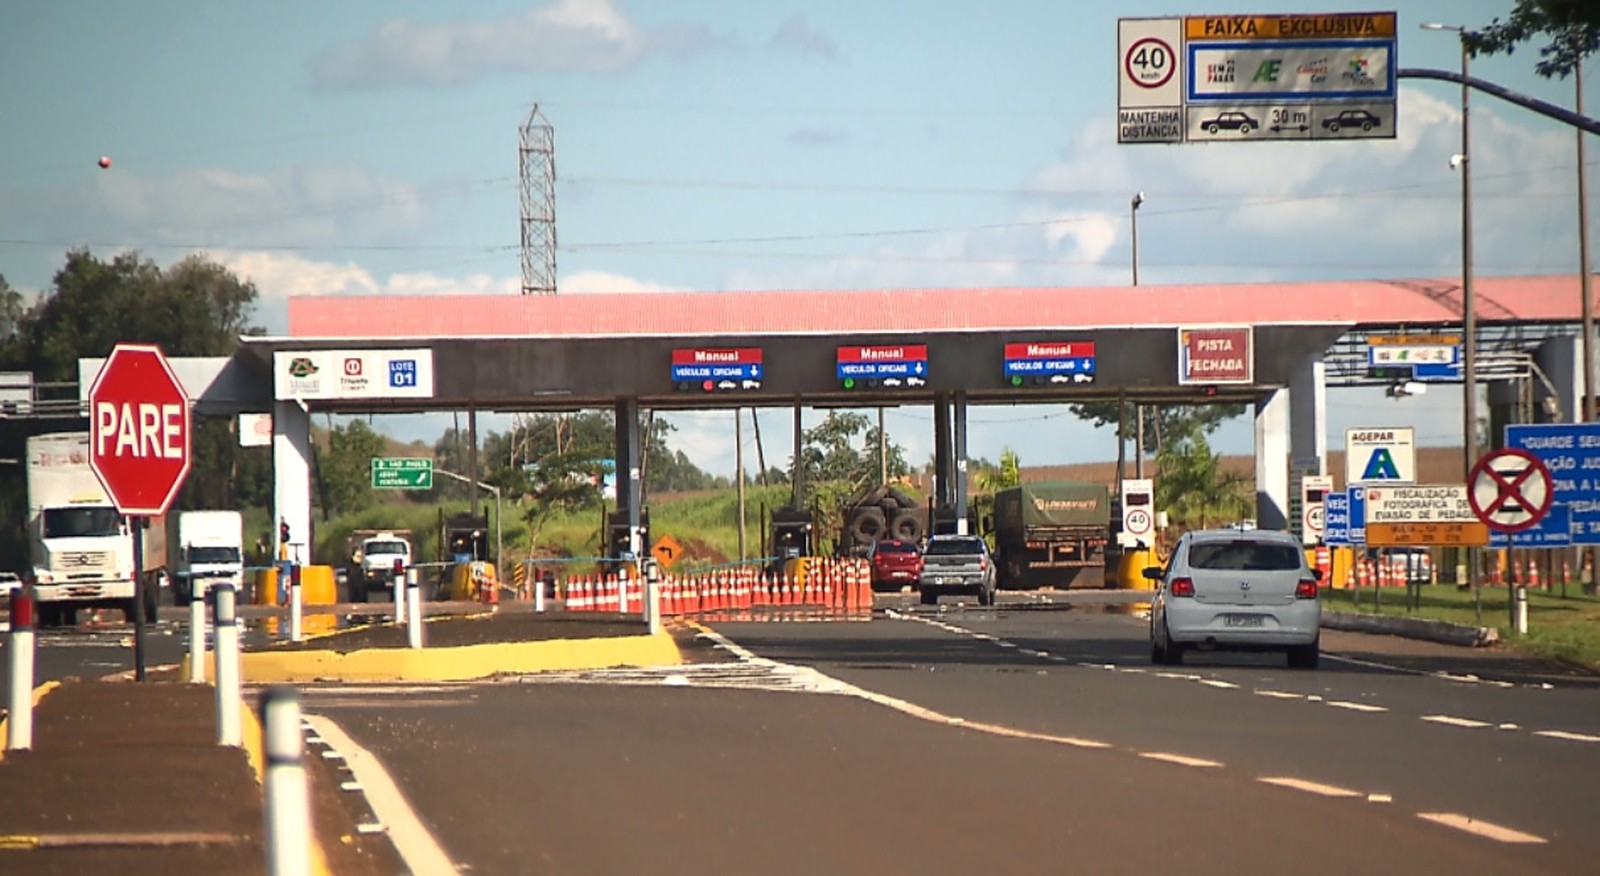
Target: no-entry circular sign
[[1510, 490], [139, 430]]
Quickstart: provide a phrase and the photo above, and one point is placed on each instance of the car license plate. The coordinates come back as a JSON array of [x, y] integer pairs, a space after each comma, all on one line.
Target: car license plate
[[1243, 620]]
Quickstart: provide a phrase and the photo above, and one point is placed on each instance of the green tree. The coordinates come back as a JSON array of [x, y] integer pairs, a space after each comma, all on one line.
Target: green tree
[[1570, 30], [344, 471], [1194, 488]]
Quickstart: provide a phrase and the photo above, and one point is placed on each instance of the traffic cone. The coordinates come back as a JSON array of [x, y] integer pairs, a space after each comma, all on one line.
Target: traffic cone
[[1533, 573], [1566, 573]]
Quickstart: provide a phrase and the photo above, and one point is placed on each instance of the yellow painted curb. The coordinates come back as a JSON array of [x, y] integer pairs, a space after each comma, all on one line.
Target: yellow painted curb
[[461, 663], [39, 693]]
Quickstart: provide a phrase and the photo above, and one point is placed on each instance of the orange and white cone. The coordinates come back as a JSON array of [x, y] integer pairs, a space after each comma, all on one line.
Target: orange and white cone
[[1533, 574]]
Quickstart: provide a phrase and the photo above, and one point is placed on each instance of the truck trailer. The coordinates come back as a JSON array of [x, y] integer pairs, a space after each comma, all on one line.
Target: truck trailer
[[1052, 533], [80, 548]]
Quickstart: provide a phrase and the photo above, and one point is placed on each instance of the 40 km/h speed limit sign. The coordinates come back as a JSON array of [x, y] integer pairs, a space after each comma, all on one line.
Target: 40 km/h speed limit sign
[[1150, 80]]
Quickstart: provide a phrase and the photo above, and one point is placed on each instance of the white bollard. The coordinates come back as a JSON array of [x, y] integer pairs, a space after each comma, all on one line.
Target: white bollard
[[225, 629], [197, 636], [652, 599], [19, 715], [296, 607], [1522, 610], [399, 579], [538, 592], [622, 589], [287, 799], [413, 609]]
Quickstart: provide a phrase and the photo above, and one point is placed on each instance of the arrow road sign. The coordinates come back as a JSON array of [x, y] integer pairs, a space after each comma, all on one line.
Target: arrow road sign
[[1510, 489]]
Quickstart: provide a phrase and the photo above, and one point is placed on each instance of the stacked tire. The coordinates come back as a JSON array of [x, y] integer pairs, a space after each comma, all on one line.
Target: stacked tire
[[884, 513]]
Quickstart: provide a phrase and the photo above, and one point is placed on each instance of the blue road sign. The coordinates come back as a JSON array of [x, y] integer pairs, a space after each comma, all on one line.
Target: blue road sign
[[1336, 519], [870, 370], [740, 371], [1571, 451], [1357, 496], [1078, 365], [1555, 530]]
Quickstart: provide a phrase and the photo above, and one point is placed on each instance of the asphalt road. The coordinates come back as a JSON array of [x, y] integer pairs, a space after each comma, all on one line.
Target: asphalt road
[[1017, 740]]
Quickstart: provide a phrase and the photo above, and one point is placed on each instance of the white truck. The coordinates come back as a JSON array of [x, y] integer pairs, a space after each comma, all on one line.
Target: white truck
[[208, 550], [377, 556], [80, 549]]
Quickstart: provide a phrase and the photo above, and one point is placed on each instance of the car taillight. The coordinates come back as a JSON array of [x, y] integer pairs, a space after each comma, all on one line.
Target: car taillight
[[1182, 587], [983, 564], [1306, 589]]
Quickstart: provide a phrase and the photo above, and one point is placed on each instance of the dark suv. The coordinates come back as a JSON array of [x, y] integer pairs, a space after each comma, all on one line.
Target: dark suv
[[894, 563]]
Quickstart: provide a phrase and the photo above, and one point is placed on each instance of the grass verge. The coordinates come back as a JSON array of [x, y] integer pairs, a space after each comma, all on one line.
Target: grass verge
[[1566, 628]]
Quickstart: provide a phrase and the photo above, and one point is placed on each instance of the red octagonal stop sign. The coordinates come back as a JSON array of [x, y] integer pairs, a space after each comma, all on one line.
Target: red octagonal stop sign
[[139, 430]]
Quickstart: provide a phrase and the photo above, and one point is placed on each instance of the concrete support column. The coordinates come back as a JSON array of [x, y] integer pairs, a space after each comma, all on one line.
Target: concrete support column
[[943, 467], [1272, 460], [291, 479], [797, 496], [958, 483], [1308, 412], [630, 488]]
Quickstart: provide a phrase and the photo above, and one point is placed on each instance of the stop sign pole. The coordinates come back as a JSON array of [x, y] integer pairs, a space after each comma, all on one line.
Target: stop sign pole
[[139, 432]]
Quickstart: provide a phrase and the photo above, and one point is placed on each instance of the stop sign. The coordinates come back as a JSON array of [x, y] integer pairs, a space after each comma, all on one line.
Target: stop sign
[[139, 430]]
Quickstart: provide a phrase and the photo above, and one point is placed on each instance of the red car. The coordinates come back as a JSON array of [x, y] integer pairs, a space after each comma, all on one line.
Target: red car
[[894, 563]]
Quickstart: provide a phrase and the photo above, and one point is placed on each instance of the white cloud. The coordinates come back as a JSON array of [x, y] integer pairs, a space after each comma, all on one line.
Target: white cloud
[[578, 36], [797, 35]]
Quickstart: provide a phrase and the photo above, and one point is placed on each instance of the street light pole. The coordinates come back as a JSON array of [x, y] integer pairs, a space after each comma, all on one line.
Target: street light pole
[[1469, 315], [1138, 409]]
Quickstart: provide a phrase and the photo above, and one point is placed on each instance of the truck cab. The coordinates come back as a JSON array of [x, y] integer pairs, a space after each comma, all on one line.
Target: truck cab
[[376, 557], [205, 549]]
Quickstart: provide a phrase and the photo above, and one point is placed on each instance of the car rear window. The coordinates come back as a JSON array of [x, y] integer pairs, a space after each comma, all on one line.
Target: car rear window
[[1245, 556], [948, 546], [896, 547]]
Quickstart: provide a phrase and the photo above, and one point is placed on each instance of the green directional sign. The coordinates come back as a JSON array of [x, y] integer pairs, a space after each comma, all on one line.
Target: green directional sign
[[402, 473]]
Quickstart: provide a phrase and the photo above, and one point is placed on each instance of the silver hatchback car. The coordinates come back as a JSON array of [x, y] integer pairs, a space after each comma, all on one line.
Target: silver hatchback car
[[1227, 589]]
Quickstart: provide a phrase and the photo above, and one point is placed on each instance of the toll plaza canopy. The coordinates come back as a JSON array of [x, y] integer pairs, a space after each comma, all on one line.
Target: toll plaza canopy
[[562, 352]]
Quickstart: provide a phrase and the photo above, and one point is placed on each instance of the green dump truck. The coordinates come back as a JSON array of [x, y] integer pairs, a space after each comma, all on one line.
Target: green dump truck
[[1052, 533]]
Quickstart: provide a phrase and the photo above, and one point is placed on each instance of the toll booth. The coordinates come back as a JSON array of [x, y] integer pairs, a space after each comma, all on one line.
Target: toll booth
[[618, 542], [793, 533], [465, 538]]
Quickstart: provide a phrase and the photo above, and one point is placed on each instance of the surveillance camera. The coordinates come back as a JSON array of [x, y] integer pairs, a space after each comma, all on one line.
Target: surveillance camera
[[1138, 199], [1457, 160]]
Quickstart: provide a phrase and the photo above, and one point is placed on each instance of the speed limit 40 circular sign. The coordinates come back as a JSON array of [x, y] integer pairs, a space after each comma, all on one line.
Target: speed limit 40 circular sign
[[1149, 62]]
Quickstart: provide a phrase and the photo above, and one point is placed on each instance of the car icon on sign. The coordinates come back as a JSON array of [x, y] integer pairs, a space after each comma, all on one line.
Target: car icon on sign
[[1352, 118], [1230, 121], [727, 384], [891, 381]]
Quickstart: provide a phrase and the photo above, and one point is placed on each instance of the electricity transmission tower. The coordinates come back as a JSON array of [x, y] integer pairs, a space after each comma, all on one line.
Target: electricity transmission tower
[[536, 150]]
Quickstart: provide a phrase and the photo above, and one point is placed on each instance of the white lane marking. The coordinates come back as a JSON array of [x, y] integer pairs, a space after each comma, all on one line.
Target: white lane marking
[[1280, 694], [824, 683], [1181, 676], [1213, 682], [1309, 787], [1379, 798], [1481, 828], [1563, 734], [1508, 727], [1179, 759], [1455, 722], [416, 845], [1355, 707]]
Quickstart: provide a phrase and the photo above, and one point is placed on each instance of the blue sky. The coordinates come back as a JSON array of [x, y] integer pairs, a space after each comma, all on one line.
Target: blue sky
[[370, 147]]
